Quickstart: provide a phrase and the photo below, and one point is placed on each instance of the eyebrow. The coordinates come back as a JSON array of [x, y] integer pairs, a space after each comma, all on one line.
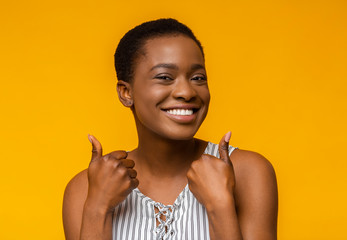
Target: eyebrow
[[197, 66], [175, 67], [165, 65]]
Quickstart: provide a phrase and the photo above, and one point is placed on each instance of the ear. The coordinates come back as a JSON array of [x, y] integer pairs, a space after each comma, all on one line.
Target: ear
[[124, 91]]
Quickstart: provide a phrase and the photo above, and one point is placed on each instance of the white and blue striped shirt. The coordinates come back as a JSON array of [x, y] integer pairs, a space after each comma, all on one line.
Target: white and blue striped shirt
[[135, 218]]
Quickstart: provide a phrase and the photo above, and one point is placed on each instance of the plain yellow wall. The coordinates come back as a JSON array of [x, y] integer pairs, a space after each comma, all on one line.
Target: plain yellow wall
[[277, 75]]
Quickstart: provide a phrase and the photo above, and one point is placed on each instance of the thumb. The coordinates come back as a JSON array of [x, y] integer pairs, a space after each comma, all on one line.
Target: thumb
[[97, 148], [223, 147]]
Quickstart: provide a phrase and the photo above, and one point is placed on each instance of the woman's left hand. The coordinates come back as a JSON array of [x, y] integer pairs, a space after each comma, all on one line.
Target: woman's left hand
[[212, 180]]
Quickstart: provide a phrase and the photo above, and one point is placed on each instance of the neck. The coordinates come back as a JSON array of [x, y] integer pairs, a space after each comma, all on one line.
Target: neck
[[163, 157]]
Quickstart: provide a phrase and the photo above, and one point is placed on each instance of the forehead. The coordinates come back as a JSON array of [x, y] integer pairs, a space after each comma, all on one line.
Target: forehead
[[171, 49]]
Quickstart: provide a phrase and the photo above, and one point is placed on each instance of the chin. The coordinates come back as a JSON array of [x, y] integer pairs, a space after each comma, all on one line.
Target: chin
[[169, 130], [182, 137], [180, 134]]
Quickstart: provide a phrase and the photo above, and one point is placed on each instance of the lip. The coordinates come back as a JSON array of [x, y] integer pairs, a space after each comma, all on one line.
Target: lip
[[183, 119]]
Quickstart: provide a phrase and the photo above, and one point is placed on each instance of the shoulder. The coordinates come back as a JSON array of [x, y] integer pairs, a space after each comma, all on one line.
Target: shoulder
[[248, 163], [78, 184], [253, 172], [76, 190], [245, 162]]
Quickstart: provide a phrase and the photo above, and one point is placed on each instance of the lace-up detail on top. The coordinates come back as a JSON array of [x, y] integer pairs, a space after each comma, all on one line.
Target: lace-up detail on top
[[164, 216]]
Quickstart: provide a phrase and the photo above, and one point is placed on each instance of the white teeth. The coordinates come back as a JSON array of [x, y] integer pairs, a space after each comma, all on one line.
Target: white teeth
[[183, 112]]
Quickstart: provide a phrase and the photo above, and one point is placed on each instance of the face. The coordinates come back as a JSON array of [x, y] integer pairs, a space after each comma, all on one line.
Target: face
[[169, 89]]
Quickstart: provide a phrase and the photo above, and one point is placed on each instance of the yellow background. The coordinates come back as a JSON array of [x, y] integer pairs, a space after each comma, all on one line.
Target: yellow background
[[277, 75]]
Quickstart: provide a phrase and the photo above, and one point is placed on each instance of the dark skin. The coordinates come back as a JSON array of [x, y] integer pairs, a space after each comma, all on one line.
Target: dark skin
[[239, 192]]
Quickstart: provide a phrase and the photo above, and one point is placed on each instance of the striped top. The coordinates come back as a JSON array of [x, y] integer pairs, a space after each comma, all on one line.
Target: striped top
[[137, 216]]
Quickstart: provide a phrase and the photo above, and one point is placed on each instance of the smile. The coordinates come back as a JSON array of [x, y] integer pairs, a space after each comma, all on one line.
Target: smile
[[180, 112]]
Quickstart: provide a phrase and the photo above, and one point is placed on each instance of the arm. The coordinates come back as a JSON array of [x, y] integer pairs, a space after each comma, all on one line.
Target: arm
[[256, 195], [240, 196], [74, 198], [81, 217], [91, 196], [251, 212]]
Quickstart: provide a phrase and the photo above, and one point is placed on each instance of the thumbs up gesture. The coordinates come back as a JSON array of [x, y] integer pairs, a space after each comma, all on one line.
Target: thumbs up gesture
[[111, 177], [212, 179]]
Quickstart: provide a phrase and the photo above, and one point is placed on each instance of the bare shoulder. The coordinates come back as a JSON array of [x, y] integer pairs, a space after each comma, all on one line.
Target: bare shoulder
[[74, 198], [249, 165], [254, 174], [77, 185]]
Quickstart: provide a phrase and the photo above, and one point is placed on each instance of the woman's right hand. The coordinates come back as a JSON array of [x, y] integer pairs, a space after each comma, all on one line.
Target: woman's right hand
[[111, 178]]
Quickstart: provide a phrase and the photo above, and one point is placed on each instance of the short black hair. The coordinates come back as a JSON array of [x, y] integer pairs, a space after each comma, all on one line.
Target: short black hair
[[132, 42]]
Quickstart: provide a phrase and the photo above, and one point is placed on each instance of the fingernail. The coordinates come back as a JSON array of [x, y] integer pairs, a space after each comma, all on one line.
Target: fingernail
[[90, 138], [227, 137]]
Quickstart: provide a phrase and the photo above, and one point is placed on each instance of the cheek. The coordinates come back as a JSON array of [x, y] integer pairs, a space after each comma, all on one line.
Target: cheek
[[204, 94], [208, 97], [205, 98], [153, 94], [159, 93], [147, 99]]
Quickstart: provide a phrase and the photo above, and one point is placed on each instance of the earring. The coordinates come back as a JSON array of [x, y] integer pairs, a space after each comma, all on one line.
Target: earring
[[129, 103]]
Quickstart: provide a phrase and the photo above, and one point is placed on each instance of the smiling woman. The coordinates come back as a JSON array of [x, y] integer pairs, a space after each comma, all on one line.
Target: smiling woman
[[168, 78], [172, 186]]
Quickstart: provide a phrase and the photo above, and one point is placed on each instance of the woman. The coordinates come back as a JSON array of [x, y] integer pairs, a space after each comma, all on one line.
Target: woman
[[183, 187]]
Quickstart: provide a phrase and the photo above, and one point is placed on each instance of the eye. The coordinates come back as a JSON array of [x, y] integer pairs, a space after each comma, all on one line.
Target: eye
[[164, 77], [200, 78]]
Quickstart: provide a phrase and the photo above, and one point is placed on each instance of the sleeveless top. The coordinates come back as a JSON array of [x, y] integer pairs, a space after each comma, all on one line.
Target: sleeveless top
[[135, 218]]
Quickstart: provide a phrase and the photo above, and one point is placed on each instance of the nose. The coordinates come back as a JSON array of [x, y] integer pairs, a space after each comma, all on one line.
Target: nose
[[183, 89]]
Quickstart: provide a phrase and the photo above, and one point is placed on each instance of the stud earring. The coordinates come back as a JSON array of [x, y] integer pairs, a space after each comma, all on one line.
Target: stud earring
[[129, 103]]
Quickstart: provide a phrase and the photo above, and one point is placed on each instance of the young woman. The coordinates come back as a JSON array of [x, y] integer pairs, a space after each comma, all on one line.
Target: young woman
[[183, 187]]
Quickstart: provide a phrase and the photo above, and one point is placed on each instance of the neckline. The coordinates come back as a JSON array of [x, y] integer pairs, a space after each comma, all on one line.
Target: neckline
[[179, 197], [151, 201]]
